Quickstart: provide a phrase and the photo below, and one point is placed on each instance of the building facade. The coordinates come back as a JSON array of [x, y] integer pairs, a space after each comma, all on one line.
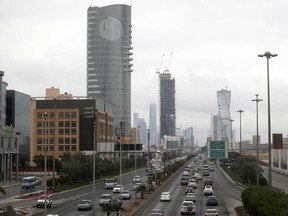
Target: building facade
[[71, 125], [109, 59], [167, 105]]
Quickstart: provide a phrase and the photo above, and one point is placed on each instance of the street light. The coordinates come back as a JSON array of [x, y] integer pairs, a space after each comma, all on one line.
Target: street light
[[231, 135], [257, 100], [268, 55], [240, 111], [94, 167], [45, 161]]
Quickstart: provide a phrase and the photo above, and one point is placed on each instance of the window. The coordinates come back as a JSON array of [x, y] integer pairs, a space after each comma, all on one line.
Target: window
[[73, 131], [67, 131], [60, 147], [39, 124], [52, 115], [52, 144], [39, 115], [61, 115], [39, 147], [73, 115], [61, 124], [39, 131], [67, 114], [67, 124], [61, 144], [61, 131], [73, 124], [73, 147], [67, 147]]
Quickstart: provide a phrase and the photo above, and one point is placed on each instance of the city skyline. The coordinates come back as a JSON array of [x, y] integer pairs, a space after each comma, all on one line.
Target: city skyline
[[215, 46]]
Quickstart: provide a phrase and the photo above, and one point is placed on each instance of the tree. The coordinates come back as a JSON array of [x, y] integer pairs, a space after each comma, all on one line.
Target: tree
[[113, 206], [141, 189]]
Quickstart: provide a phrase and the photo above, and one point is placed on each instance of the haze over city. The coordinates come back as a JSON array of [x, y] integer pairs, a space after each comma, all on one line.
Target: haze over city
[[215, 45]]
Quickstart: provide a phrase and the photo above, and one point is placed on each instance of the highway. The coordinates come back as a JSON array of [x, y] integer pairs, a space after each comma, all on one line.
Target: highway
[[65, 203]]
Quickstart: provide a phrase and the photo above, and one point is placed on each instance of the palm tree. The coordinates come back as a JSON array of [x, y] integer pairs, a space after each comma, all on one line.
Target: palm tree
[[141, 189], [113, 207]]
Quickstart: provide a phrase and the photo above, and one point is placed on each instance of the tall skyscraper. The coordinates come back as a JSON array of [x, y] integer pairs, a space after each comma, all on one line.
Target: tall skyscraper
[[224, 128], [167, 105], [153, 123], [109, 59]]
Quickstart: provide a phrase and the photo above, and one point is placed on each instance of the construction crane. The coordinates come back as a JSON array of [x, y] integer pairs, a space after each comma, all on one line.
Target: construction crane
[[159, 71]]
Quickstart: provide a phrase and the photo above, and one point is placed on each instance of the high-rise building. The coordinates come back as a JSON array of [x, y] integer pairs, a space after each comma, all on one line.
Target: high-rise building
[[109, 59], [153, 123], [167, 105], [224, 126]]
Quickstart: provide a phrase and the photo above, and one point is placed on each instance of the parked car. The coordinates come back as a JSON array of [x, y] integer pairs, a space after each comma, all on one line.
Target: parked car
[[211, 212], [212, 200], [126, 194], [190, 197], [84, 205], [118, 189], [105, 198], [41, 202], [187, 207], [157, 212], [165, 196], [208, 190]]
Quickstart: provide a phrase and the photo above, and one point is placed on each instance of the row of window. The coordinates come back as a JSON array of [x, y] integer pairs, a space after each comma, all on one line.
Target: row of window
[[64, 144], [61, 124], [40, 115]]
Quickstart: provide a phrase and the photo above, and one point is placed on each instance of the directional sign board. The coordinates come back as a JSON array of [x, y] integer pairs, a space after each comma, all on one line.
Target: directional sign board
[[217, 149]]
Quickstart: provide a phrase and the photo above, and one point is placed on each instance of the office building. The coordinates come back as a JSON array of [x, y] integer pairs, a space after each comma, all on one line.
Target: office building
[[224, 126], [153, 124], [109, 59], [167, 105]]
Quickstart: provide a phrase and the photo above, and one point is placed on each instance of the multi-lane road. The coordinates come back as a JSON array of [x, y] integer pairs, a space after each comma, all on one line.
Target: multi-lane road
[[228, 193]]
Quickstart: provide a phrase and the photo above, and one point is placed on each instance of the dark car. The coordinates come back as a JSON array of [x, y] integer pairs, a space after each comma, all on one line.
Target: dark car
[[189, 189], [184, 181], [212, 200]]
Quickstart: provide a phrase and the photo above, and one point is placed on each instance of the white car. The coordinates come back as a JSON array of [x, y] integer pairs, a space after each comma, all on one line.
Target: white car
[[105, 198], [187, 207], [118, 189], [190, 197], [136, 179], [208, 190], [41, 202], [192, 183], [211, 212], [165, 196], [136, 185]]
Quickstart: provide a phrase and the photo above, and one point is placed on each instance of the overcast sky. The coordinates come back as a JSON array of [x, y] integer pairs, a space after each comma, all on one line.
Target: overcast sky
[[215, 44]]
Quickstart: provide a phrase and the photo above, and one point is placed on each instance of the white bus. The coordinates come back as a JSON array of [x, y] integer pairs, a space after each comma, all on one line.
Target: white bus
[[28, 182]]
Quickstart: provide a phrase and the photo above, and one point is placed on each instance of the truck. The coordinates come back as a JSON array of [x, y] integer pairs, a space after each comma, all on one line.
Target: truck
[[110, 183]]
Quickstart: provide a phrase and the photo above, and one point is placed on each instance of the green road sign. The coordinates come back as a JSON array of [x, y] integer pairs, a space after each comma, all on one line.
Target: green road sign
[[217, 145], [218, 153]]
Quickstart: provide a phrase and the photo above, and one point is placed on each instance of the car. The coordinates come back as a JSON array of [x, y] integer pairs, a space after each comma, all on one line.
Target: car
[[187, 207], [212, 200], [199, 177], [156, 212], [206, 173], [41, 202], [136, 185], [208, 190], [211, 212], [192, 183], [211, 168], [136, 179], [105, 198], [165, 196], [84, 205], [190, 197], [126, 194], [38, 181], [208, 182], [184, 181], [118, 189], [189, 189]]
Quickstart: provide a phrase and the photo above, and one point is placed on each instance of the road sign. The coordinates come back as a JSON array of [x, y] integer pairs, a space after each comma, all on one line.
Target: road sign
[[217, 149]]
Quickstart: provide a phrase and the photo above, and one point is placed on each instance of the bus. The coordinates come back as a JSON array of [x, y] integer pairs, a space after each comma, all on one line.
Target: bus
[[28, 182]]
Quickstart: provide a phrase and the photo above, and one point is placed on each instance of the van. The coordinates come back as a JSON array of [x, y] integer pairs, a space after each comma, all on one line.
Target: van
[[28, 182]]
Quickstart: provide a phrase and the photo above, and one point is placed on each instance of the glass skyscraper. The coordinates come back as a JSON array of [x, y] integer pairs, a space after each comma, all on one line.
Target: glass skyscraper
[[109, 59]]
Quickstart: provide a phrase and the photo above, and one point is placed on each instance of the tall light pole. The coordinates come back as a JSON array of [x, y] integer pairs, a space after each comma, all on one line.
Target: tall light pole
[[268, 55], [94, 166], [257, 100], [45, 161], [122, 130], [240, 144], [231, 120], [148, 138]]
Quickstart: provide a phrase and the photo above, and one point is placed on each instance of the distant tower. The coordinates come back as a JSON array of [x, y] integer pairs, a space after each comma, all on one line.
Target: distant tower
[[167, 105], [153, 123], [108, 59], [224, 127]]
